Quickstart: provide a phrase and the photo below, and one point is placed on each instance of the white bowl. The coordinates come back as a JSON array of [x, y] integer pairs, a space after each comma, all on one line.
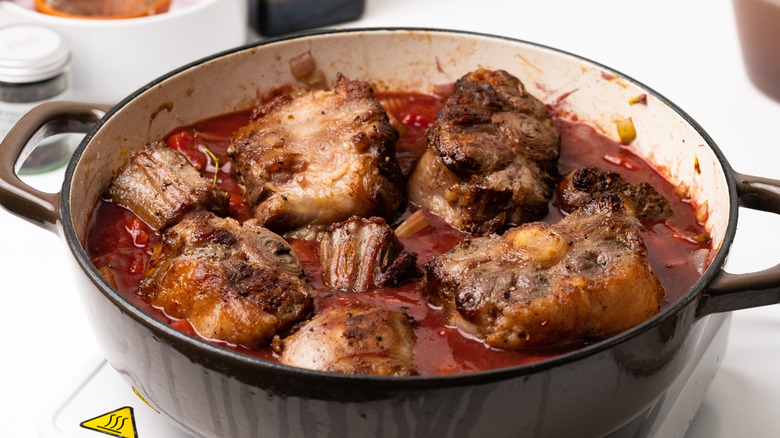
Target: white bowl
[[112, 58]]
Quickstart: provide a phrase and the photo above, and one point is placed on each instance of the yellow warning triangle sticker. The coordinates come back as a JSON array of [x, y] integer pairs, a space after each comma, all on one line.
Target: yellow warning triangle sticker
[[119, 423]]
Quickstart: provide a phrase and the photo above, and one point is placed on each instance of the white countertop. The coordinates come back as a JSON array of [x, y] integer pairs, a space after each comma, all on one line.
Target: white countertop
[[685, 50]]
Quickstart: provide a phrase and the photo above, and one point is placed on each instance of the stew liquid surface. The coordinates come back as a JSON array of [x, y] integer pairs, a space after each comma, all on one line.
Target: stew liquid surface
[[120, 244]]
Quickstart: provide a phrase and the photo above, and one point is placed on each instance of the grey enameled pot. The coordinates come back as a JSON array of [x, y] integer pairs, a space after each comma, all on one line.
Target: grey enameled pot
[[616, 386]]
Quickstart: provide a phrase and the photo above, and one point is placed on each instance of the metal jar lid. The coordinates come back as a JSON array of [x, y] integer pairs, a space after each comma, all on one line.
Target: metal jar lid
[[30, 53]]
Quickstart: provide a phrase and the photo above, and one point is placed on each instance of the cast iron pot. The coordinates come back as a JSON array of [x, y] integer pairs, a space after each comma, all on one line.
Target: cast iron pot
[[613, 387]]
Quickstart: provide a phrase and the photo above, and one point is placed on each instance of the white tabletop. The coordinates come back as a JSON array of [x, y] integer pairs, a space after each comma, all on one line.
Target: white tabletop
[[686, 50]]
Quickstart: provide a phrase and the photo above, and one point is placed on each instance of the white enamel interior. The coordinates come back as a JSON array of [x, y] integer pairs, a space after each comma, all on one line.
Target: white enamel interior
[[408, 60]]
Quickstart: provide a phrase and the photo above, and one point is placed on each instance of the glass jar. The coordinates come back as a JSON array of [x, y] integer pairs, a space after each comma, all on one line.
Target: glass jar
[[34, 68]]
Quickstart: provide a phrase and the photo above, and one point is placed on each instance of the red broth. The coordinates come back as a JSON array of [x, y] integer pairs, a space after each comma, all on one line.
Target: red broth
[[120, 245]]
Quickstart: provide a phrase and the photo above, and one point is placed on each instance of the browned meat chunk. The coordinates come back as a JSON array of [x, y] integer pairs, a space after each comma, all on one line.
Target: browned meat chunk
[[357, 339], [489, 155], [581, 186], [160, 186], [361, 254], [239, 284], [319, 159], [541, 285]]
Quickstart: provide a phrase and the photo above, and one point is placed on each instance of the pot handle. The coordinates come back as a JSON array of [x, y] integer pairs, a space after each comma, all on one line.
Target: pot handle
[[43, 121], [727, 292]]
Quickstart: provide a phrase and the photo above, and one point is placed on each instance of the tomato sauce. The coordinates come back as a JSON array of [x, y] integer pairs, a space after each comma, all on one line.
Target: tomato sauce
[[120, 244]]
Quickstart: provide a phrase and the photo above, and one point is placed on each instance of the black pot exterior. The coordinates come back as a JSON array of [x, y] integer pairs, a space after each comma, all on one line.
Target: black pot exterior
[[214, 395]]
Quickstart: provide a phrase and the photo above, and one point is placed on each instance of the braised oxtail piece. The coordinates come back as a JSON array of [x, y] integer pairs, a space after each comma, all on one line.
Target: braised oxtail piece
[[581, 186], [357, 339], [318, 159], [489, 156], [541, 285], [362, 254], [160, 186], [241, 284]]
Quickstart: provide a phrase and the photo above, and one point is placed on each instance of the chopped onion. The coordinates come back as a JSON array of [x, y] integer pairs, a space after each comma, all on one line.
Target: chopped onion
[[683, 191], [699, 260], [642, 98], [626, 130], [703, 212], [443, 90], [412, 225], [302, 66]]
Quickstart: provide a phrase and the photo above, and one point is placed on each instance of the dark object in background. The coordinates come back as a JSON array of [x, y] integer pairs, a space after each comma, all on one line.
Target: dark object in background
[[758, 26], [275, 17]]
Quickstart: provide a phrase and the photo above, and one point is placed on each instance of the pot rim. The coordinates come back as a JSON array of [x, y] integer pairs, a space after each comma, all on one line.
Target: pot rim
[[229, 358]]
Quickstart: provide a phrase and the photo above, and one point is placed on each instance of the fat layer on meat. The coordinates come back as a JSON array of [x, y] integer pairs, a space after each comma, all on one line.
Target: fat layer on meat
[[319, 158], [160, 186], [540, 285], [357, 339], [580, 186], [489, 155], [241, 284], [361, 254]]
